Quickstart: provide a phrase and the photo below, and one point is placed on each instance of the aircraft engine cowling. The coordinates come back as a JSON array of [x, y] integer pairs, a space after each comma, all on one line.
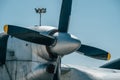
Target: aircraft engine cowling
[[64, 44], [42, 72], [43, 50]]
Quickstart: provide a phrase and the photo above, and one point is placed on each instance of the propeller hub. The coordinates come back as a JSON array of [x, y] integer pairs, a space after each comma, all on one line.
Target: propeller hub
[[65, 44]]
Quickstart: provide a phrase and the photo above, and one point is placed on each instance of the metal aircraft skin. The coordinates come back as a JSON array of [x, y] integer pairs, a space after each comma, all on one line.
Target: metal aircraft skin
[[35, 53], [23, 62], [87, 73]]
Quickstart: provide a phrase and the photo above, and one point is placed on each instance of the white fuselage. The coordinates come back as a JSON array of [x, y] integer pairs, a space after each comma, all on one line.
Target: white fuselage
[[87, 73]]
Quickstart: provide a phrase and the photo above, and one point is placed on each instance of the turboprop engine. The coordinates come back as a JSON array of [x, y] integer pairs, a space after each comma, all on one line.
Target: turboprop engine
[[64, 43]]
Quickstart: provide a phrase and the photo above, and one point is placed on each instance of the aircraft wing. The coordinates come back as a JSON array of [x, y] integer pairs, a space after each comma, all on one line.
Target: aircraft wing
[[89, 73], [70, 72]]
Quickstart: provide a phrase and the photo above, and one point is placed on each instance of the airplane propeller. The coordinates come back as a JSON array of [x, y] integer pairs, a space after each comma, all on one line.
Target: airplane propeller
[[57, 73], [63, 27], [94, 52], [65, 16], [47, 40], [29, 35]]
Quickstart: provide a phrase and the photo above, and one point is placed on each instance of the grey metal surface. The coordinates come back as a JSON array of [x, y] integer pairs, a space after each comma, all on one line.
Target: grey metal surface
[[19, 49], [66, 44], [88, 73], [40, 73]]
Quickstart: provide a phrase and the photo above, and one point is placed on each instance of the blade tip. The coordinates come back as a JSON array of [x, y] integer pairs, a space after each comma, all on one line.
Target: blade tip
[[6, 28], [108, 56]]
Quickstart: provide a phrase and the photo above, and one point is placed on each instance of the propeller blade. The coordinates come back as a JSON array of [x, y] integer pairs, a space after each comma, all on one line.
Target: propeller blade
[[58, 69], [115, 64], [94, 52], [29, 35], [3, 47], [65, 16]]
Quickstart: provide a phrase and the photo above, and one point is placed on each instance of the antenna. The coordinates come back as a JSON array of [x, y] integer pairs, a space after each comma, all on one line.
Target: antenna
[[40, 11]]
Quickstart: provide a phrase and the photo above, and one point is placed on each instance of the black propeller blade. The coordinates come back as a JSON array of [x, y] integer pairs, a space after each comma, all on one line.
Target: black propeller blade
[[29, 35], [94, 52], [115, 64], [63, 27], [65, 16], [57, 74]]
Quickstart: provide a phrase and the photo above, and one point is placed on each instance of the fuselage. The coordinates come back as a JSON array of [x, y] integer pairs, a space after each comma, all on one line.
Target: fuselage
[[90, 73]]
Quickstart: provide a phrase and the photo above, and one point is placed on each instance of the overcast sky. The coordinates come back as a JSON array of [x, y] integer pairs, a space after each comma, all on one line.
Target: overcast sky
[[94, 22]]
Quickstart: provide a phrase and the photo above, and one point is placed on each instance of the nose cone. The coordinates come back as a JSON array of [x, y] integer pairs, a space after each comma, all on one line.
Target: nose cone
[[66, 44]]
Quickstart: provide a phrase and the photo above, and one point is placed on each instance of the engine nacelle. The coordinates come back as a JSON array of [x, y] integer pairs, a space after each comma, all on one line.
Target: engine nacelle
[[42, 72], [42, 50], [65, 43]]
